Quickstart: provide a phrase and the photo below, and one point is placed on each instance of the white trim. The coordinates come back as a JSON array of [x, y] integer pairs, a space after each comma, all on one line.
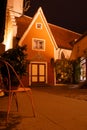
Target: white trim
[[40, 24], [40, 12], [48, 28]]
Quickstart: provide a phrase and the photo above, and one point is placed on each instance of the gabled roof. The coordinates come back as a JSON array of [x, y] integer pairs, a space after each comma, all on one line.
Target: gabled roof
[[39, 14], [63, 36], [60, 35], [22, 24]]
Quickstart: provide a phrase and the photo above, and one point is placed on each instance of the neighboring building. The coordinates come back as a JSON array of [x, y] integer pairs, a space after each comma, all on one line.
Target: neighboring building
[[44, 42], [14, 9], [3, 5], [2, 24], [80, 52]]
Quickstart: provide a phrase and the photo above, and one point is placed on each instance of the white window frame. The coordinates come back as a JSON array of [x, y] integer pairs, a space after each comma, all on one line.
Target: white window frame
[[39, 27], [37, 45]]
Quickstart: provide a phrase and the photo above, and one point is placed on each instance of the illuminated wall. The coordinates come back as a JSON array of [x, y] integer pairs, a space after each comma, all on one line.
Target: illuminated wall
[[8, 37], [66, 53], [14, 8]]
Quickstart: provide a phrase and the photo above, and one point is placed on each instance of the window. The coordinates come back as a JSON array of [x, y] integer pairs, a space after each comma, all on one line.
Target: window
[[38, 44], [38, 25], [83, 69]]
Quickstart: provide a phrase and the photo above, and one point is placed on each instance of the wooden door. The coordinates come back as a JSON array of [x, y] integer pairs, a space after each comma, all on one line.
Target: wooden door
[[38, 73]]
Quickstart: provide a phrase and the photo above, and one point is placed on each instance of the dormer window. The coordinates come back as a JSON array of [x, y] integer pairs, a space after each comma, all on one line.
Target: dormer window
[[38, 44], [38, 25]]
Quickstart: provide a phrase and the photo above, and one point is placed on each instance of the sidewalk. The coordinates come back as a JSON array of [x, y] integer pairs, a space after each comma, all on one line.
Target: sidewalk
[[53, 112]]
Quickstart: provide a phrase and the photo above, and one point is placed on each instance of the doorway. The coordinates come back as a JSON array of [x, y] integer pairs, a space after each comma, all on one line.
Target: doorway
[[38, 73]]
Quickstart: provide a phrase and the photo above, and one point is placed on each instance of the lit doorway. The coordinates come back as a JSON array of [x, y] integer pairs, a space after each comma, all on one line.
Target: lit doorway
[[38, 73]]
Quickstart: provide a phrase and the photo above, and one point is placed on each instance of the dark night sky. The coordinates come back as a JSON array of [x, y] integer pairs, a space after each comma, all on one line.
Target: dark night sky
[[70, 14], [2, 18]]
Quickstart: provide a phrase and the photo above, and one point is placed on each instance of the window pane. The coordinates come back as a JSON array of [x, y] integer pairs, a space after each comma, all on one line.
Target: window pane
[[83, 69], [38, 44], [34, 79], [41, 69], [39, 26], [34, 69], [41, 79]]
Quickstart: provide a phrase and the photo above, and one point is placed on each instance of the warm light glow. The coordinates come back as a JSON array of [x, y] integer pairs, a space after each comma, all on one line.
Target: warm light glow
[[8, 41], [67, 53], [14, 8], [8, 37]]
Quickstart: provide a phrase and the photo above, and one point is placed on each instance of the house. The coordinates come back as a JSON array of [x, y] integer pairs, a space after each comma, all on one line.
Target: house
[[80, 52], [44, 42]]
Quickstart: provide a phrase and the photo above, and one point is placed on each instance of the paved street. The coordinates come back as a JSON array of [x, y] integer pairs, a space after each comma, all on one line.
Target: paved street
[[54, 111]]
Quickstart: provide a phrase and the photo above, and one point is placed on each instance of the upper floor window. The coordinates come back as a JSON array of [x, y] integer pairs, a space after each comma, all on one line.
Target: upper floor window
[[38, 44], [38, 25]]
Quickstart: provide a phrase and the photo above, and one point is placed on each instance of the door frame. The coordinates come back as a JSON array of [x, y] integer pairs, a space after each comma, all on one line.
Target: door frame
[[30, 69]]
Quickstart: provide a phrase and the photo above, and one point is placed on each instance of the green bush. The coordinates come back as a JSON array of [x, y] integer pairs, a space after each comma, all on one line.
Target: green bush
[[17, 58]]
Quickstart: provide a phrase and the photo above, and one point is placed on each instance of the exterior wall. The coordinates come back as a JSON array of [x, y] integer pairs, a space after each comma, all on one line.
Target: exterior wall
[[43, 55], [67, 53], [10, 3], [42, 34], [8, 37], [16, 6], [79, 48], [25, 79], [78, 52], [50, 74]]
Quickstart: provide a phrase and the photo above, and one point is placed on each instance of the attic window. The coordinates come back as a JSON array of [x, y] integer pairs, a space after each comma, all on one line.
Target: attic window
[[38, 44], [38, 25]]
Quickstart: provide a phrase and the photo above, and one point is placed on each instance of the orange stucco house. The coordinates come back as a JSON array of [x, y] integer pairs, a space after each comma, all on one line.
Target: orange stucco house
[[44, 41]]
